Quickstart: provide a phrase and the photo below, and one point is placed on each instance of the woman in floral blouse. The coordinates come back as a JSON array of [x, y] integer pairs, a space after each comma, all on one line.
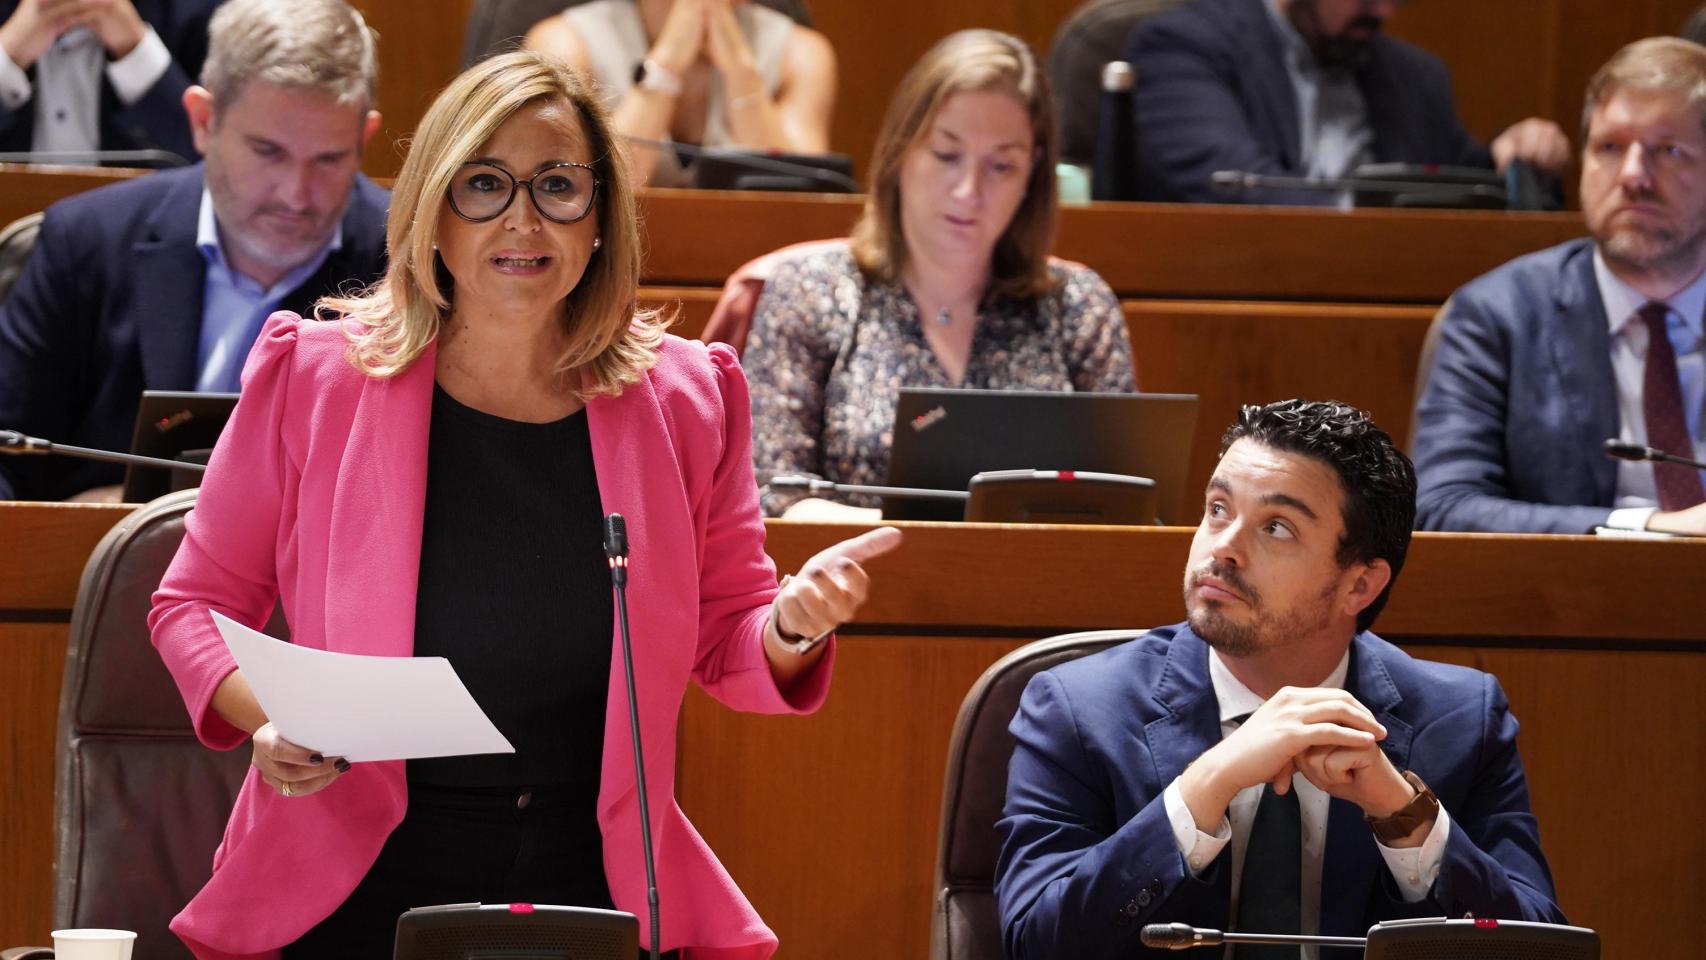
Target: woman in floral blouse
[[946, 281]]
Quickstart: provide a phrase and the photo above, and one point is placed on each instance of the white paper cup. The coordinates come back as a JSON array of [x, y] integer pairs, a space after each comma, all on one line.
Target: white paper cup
[[93, 944]]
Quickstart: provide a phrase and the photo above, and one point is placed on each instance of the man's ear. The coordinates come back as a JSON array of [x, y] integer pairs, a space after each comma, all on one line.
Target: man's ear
[[1365, 586], [198, 105], [369, 127]]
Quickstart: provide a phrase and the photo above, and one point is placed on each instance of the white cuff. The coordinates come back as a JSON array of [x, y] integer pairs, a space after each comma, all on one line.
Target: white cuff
[[1631, 518], [134, 73], [1199, 849], [15, 90], [1416, 868]]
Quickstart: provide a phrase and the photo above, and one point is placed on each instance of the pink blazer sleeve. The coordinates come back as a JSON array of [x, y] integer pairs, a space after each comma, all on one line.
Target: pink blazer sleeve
[[228, 558], [738, 581]]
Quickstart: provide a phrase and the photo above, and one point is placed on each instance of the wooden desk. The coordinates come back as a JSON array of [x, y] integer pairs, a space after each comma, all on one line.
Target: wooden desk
[[829, 822]]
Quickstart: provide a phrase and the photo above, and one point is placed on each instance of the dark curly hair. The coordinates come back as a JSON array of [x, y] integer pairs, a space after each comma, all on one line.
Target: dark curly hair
[[1378, 480]]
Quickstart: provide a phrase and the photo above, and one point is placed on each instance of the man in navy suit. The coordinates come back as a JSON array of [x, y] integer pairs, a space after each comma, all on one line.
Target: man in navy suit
[[99, 76], [162, 282], [1270, 765], [1543, 359], [1299, 88]]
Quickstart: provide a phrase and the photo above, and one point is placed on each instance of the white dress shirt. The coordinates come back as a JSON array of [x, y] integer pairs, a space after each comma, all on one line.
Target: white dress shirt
[[1637, 496], [67, 91], [1413, 868]]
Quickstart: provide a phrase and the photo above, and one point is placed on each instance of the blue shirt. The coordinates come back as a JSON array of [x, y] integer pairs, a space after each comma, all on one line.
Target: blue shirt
[[234, 306]]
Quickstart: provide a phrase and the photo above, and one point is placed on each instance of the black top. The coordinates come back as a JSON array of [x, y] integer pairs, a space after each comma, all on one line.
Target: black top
[[515, 591]]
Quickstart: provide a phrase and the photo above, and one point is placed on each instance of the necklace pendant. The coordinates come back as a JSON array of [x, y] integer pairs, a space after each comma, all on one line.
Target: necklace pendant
[[943, 317]]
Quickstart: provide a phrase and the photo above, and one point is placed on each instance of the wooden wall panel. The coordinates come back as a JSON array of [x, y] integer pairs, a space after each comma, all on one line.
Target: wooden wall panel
[[420, 50], [1230, 354]]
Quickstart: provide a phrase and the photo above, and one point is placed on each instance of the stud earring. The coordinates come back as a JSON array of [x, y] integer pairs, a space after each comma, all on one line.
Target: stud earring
[[597, 242]]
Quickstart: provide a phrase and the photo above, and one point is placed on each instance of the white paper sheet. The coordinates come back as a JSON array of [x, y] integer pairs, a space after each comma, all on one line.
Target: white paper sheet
[[361, 708]]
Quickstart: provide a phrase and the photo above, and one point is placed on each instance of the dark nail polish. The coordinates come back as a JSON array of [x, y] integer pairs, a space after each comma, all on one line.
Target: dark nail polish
[[342, 766], [316, 758]]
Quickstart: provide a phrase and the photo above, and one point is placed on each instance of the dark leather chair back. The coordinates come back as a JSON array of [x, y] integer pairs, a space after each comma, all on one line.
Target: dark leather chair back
[[498, 25], [964, 925], [1093, 35], [139, 803], [1424, 371], [17, 242]]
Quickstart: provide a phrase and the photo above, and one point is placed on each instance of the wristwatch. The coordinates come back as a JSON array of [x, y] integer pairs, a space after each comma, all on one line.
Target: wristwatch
[[650, 75], [1424, 806]]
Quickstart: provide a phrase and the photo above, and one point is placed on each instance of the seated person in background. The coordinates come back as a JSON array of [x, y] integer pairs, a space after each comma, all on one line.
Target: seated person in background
[[1300, 88], [161, 282], [946, 282], [78, 76], [1543, 359], [427, 472], [1269, 766], [715, 73]]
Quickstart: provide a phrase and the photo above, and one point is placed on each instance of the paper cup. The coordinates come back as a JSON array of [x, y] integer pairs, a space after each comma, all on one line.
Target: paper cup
[[91, 944]]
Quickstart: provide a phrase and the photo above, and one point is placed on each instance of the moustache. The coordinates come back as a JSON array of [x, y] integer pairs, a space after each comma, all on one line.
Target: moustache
[[1229, 576]]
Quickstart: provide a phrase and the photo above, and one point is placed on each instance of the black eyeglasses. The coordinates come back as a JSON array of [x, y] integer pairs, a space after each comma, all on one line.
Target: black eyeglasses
[[562, 192]]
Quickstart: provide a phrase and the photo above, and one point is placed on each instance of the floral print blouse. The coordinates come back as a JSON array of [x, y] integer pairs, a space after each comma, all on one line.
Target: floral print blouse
[[829, 351]]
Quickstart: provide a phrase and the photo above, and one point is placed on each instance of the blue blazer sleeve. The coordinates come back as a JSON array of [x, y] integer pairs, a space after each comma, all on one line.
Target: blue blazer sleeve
[[1493, 865], [1465, 424], [158, 118], [41, 336], [1072, 879]]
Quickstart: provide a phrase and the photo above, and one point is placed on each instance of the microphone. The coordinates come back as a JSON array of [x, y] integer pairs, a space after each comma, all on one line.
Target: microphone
[[814, 485], [1623, 450], [1434, 192], [13, 442], [616, 549], [833, 180], [1183, 936], [118, 158]]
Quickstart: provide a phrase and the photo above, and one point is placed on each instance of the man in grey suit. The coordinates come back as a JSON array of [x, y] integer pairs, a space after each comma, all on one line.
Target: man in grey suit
[[1542, 360]]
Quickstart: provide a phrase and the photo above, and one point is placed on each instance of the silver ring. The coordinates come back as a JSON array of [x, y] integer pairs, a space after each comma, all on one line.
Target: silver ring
[[285, 789]]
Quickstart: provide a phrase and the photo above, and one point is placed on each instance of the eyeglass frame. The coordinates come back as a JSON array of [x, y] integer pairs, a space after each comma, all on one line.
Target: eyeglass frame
[[515, 184]]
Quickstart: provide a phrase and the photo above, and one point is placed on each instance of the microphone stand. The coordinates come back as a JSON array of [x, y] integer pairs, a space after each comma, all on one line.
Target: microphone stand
[[616, 549], [18, 444], [814, 485]]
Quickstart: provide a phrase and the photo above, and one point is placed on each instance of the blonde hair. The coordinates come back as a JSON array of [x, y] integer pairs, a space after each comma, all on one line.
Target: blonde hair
[[1656, 63], [322, 46], [390, 324], [964, 62]]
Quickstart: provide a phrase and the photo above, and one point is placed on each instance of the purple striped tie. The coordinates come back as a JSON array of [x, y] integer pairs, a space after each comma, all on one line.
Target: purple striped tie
[[1667, 426]]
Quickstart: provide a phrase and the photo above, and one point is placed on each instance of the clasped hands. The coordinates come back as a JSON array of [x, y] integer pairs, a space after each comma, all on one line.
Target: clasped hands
[[36, 24], [707, 27], [1323, 733]]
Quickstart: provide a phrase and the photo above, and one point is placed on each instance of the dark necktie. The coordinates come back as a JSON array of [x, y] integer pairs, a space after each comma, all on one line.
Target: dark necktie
[[1667, 425], [1270, 891]]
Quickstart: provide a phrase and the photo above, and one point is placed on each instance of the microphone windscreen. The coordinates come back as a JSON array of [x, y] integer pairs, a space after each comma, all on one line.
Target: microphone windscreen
[[1169, 936], [615, 536], [1623, 450]]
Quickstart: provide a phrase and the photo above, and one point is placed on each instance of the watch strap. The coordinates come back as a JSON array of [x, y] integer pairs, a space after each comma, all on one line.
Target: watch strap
[[1423, 807]]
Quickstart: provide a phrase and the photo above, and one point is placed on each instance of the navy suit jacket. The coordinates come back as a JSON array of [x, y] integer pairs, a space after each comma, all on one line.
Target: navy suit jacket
[[1520, 399], [1088, 855], [1212, 93], [110, 304], [158, 119]]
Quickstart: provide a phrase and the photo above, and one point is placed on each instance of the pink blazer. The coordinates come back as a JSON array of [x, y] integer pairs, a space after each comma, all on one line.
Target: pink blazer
[[315, 497]]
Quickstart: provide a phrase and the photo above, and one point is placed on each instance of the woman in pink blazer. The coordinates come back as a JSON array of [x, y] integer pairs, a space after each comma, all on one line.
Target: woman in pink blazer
[[425, 472]]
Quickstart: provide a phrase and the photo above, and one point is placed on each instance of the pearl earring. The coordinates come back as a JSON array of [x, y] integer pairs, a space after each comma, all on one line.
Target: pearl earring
[[597, 242]]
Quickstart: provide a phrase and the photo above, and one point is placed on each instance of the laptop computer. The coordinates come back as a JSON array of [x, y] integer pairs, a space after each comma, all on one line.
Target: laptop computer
[[174, 425], [943, 437]]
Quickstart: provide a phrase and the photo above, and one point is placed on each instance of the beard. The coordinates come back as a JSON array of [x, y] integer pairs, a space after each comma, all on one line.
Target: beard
[[1340, 50], [1663, 251], [1265, 630]]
